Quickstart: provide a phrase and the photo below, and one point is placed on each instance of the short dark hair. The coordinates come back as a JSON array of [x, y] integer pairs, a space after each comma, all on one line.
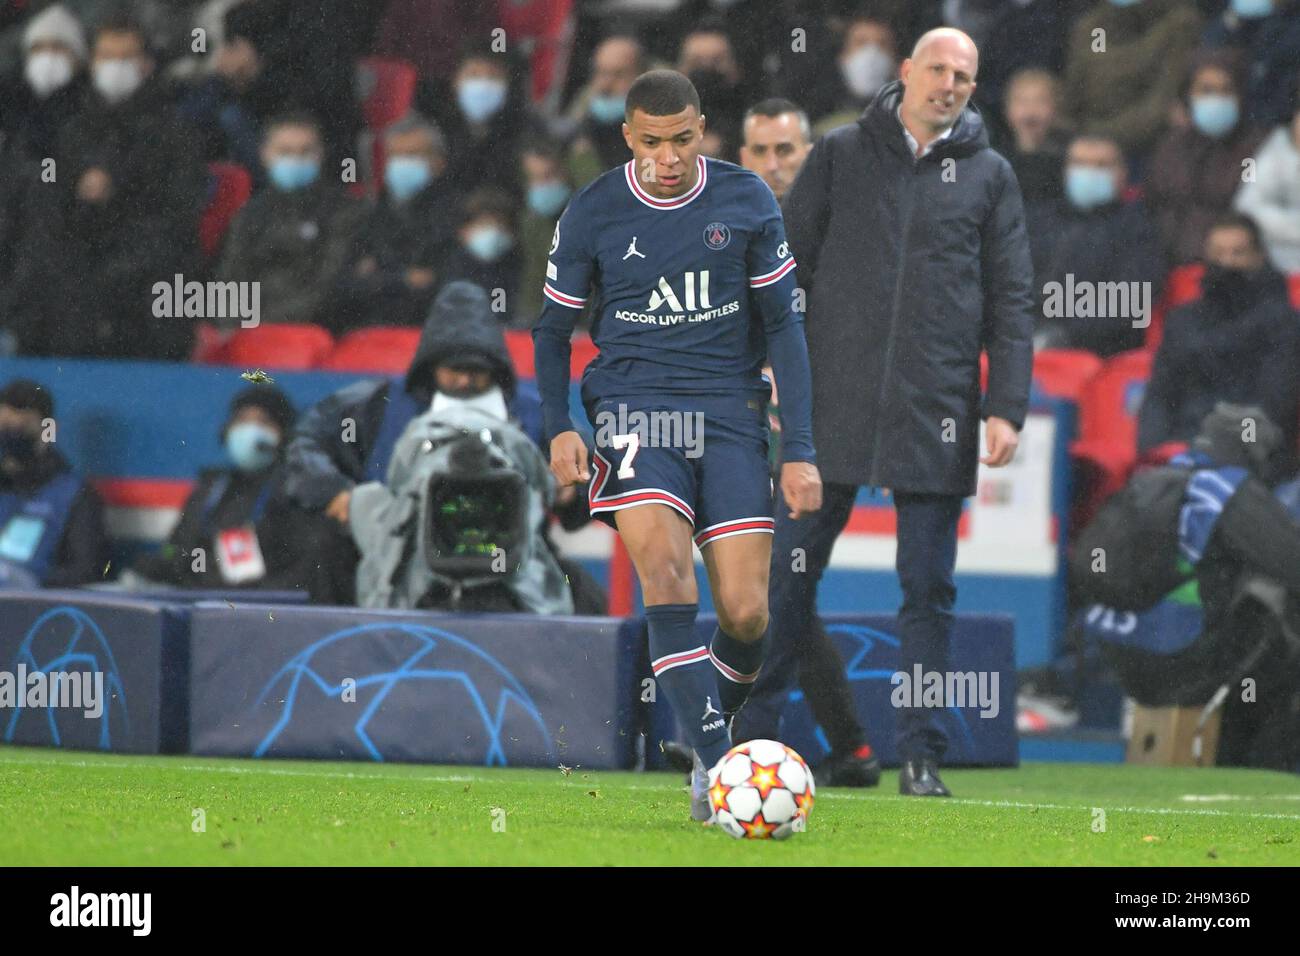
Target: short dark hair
[[545, 148], [775, 106], [296, 118], [1239, 220], [26, 395], [488, 201], [120, 18], [662, 93]]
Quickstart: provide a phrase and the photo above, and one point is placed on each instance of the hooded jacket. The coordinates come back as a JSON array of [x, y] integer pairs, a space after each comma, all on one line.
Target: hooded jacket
[[912, 267], [1243, 349], [321, 464]]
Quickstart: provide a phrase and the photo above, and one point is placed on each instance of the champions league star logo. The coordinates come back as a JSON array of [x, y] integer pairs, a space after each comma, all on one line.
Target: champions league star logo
[[366, 684], [717, 235]]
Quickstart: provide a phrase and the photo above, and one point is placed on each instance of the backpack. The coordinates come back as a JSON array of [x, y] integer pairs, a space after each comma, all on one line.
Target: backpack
[[1127, 557]]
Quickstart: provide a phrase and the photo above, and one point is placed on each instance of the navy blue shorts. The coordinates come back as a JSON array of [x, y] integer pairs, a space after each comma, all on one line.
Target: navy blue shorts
[[711, 468]]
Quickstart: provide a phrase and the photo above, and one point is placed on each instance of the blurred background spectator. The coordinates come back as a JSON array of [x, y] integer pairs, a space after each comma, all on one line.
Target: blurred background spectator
[[51, 522], [1239, 343], [1271, 196], [1197, 168], [1094, 236]]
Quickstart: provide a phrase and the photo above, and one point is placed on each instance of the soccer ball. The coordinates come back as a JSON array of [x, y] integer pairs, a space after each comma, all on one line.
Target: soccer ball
[[761, 790]]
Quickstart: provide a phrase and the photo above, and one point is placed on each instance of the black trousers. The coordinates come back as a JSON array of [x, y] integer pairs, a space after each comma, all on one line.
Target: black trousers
[[799, 649]]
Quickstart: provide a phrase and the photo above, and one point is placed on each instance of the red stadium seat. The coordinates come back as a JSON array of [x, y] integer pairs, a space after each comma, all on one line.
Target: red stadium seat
[[1182, 285], [386, 350], [1108, 409], [545, 27], [233, 187], [520, 345], [1063, 373], [1293, 286], [388, 87], [285, 346]]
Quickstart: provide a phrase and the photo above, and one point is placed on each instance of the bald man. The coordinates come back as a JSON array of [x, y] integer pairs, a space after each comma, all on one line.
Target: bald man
[[910, 238]]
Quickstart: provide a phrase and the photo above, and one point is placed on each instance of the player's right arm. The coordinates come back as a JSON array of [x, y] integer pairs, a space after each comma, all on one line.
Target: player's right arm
[[569, 271]]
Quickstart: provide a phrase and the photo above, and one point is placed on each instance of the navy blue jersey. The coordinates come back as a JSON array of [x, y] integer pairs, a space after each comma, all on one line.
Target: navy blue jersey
[[688, 295]]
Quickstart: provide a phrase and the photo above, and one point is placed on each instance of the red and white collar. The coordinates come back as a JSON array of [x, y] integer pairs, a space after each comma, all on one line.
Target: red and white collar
[[675, 203]]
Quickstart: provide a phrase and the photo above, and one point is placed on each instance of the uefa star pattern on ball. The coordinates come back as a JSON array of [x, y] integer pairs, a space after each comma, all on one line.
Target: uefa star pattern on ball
[[761, 790]]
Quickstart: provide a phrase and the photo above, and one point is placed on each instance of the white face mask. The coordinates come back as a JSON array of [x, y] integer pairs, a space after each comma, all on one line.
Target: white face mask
[[47, 71], [117, 79], [492, 402], [867, 69]]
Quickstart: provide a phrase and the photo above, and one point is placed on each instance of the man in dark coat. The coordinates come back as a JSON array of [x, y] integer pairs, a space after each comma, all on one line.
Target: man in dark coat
[[1239, 342], [909, 234], [122, 214], [1093, 238], [294, 236]]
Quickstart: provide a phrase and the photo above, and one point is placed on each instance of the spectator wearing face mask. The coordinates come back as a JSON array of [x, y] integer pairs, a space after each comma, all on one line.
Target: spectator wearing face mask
[[236, 529], [597, 112], [868, 60], [1195, 171], [487, 251], [395, 263], [708, 58], [547, 192], [121, 214], [1272, 196], [295, 234], [485, 121], [1094, 236], [51, 521], [1239, 343], [1266, 34], [51, 88]]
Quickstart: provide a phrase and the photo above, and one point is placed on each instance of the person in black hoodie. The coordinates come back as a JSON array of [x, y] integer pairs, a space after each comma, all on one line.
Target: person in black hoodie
[[293, 236], [348, 437], [397, 259], [1239, 343], [121, 214], [237, 529], [51, 521]]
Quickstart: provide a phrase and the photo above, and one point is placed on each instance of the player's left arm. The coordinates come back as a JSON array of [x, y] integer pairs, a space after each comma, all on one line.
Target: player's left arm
[[1007, 273], [773, 292]]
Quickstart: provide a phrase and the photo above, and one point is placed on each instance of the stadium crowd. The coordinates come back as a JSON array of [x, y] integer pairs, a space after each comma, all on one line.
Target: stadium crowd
[[359, 160]]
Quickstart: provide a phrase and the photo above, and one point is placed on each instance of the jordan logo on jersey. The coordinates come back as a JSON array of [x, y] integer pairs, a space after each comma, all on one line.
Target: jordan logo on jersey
[[632, 250]]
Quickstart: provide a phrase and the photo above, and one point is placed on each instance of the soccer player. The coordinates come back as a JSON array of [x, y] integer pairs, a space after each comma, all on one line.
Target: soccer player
[[691, 282]]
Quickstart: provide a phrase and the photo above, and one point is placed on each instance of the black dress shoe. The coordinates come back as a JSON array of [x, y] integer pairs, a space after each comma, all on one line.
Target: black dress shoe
[[858, 768], [920, 778]]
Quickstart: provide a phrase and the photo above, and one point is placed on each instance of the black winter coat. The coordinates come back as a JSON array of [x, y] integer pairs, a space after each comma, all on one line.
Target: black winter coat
[[1244, 350], [912, 268]]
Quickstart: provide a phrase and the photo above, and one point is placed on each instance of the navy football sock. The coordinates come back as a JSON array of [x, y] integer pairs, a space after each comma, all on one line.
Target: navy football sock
[[682, 669], [737, 664]]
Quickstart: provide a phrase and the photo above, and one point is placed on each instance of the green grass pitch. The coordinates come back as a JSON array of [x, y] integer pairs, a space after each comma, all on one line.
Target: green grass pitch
[[62, 808]]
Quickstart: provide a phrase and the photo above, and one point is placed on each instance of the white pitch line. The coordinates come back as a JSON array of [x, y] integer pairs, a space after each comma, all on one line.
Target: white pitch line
[[825, 794], [1223, 797]]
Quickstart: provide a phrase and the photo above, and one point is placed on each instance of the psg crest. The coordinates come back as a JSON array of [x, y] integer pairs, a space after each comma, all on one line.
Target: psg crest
[[717, 235]]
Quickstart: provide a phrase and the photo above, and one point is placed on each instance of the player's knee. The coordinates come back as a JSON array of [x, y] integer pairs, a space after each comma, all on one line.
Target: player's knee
[[669, 582], [743, 617]]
